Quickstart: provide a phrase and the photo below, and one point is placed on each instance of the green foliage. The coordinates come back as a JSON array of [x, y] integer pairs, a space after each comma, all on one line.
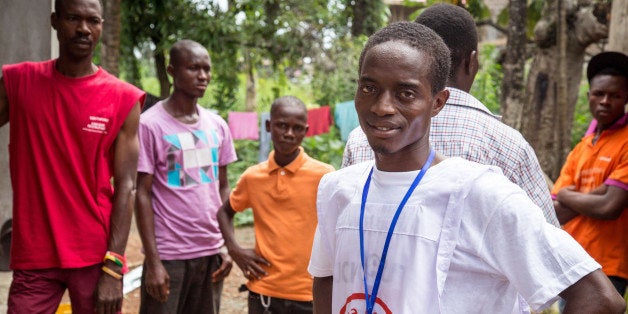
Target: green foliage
[[277, 84], [487, 84], [582, 115], [478, 9], [326, 147], [336, 70], [241, 39], [535, 9], [243, 218], [248, 152], [364, 16]]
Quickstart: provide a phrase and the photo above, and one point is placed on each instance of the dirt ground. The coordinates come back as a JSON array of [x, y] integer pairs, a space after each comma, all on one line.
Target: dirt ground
[[233, 302]]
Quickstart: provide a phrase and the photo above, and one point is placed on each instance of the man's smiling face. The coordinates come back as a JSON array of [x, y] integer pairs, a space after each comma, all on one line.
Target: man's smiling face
[[394, 99]]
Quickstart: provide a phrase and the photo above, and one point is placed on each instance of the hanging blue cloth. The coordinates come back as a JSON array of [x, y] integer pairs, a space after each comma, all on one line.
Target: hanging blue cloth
[[264, 137], [346, 118]]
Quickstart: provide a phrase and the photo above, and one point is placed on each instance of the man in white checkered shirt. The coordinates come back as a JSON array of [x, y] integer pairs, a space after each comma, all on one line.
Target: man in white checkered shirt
[[465, 127]]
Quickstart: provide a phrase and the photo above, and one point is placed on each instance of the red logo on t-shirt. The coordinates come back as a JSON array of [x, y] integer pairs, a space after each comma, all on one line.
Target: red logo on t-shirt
[[356, 303]]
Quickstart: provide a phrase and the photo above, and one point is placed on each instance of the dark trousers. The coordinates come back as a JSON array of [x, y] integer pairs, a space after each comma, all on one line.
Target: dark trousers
[[619, 284], [277, 305], [191, 288]]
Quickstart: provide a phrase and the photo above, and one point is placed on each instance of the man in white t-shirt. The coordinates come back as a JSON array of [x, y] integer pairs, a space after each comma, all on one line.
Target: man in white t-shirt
[[395, 237]]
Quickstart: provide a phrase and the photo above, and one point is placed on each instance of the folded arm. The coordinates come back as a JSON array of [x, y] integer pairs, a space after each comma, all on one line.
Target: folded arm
[[606, 202]]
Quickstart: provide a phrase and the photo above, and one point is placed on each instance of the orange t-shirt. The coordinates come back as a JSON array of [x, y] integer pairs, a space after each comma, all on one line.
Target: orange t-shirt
[[283, 200], [587, 167]]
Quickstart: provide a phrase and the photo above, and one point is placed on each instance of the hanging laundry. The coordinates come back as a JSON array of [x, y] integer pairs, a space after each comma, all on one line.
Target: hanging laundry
[[243, 125], [346, 118], [264, 137], [319, 120]]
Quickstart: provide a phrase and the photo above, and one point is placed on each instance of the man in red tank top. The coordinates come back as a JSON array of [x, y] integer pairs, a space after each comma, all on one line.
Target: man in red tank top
[[73, 128]]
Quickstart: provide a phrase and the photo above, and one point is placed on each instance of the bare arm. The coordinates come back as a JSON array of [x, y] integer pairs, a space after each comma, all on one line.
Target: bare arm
[[4, 104], [322, 291], [223, 181], [605, 202], [109, 289], [157, 280], [564, 213], [593, 293], [248, 261], [227, 263]]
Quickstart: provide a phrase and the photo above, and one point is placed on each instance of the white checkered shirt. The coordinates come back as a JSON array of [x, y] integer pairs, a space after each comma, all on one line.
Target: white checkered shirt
[[466, 128]]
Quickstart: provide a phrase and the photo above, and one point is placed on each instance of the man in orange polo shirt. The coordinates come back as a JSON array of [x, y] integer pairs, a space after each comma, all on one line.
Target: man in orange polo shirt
[[591, 194], [282, 193]]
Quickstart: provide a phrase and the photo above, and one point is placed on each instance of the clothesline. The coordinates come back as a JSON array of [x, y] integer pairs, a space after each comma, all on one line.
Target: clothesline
[[246, 125]]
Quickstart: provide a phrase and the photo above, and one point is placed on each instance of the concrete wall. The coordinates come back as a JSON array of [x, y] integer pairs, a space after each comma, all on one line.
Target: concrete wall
[[25, 34]]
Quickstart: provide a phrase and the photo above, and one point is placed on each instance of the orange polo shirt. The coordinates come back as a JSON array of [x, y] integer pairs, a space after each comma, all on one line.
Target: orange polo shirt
[[283, 200], [587, 167]]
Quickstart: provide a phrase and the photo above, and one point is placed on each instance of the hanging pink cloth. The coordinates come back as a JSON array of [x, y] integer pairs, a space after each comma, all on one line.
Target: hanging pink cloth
[[243, 125], [319, 120]]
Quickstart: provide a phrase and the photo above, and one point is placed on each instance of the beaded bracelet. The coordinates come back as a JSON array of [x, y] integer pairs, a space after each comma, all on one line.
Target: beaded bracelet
[[111, 273], [118, 259]]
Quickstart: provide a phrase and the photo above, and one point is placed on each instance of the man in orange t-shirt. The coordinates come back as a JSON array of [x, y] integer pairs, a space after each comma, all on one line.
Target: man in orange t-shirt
[[591, 194], [282, 193]]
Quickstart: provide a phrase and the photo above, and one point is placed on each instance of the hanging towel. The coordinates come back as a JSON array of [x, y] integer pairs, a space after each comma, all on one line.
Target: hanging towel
[[346, 118], [243, 125], [264, 137], [319, 120]]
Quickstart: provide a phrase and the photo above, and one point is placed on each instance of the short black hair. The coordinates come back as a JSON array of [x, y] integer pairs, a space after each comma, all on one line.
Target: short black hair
[[176, 51], [59, 5], [611, 71], [456, 27], [423, 40], [608, 63], [291, 101]]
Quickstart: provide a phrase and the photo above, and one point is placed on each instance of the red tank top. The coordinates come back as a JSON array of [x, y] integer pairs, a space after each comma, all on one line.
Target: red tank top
[[62, 132]]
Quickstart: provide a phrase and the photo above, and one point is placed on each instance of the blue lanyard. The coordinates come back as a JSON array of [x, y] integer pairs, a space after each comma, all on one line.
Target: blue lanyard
[[370, 299]]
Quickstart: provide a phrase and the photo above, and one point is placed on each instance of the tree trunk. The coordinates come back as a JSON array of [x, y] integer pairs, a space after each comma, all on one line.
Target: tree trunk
[[366, 15], [399, 12], [160, 68], [359, 18], [547, 120], [618, 33], [250, 102], [512, 88], [110, 48]]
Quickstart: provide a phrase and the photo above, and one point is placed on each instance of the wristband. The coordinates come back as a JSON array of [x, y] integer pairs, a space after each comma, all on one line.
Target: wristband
[[118, 259], [111, 273]]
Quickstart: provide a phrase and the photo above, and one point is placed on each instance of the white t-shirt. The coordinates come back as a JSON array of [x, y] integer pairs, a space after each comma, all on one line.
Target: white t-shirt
[[466, 242]]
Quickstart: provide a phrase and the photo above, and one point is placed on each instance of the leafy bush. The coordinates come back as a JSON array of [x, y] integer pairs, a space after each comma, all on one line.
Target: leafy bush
[[487, 85], [326, 147], [582, 115], [248, 152]]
